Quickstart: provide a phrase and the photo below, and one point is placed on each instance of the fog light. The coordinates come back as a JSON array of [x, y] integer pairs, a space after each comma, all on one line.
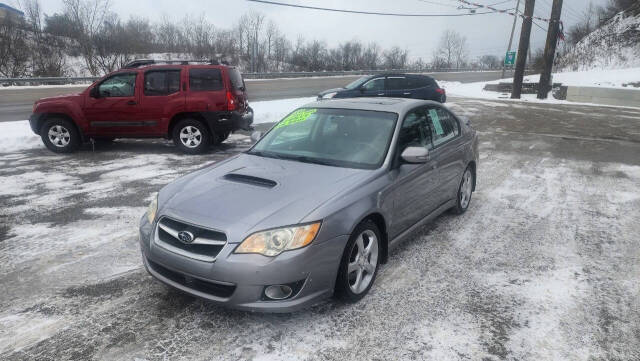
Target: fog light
[[278, 292]]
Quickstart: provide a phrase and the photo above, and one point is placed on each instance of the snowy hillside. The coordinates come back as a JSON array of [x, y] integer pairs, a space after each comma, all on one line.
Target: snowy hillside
[[615, 45]]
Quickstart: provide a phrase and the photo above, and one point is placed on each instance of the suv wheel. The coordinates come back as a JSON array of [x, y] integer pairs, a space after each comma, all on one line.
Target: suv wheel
[[191, 136], [60, 135], [359, 264]]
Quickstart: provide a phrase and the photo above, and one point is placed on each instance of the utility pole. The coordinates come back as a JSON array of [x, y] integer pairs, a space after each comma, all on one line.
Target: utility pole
[[513, 28], [550, 50], [523, 48]]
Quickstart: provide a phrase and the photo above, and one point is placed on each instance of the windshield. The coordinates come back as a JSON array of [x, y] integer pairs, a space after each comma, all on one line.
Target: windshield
[[337, 137], [356, 83]]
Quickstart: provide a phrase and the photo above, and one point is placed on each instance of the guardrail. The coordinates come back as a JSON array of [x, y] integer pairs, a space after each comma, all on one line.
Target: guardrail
[[301, 74]]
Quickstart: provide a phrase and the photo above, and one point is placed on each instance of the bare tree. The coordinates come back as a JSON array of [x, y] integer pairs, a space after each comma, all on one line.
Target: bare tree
[[395, 58], [47, 51], [452, 50], [88, 19], [14, 50]]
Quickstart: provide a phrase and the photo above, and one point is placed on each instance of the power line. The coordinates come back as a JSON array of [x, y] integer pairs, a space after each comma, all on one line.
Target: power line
[[365, 12]]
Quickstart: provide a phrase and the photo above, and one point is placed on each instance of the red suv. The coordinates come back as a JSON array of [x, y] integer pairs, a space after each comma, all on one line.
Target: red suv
[[194, 103]]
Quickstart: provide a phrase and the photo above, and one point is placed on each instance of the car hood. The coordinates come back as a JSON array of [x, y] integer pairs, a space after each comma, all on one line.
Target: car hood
[[331, 91], [56, 98], [250, 193]]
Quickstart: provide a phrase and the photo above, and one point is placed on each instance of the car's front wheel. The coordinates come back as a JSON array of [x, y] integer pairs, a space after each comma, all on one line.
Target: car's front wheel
[[60, 135], [191, 136], [360, 262], [465, 190]]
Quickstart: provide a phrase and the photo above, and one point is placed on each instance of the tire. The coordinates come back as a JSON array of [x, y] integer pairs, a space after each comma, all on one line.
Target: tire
[[465, 190], [443, 98], [356, 264], [191, 136], [60, 135], [221, 137]]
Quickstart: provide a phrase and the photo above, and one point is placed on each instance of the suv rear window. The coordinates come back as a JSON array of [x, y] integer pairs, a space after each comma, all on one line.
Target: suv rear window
[[415, 82], [161, 82], [205, 79], [236, 79]]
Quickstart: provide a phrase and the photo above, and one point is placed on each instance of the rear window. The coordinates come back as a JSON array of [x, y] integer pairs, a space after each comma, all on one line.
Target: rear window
[[415, 82], [205, 79], [236, 79], [161, 82]]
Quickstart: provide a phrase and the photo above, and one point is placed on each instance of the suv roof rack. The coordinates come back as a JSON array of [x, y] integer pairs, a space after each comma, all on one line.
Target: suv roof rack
[[144, 62]]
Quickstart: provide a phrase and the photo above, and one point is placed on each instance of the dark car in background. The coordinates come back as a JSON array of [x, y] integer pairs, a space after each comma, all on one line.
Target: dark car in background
[[390, 85]]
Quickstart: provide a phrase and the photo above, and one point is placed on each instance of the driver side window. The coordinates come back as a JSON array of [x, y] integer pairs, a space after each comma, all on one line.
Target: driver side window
[[119, 85], [415, 131], [376, 84]]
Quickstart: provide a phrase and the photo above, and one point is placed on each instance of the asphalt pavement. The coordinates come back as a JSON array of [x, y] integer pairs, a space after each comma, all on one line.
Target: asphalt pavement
[[543, 266], [17, 103]]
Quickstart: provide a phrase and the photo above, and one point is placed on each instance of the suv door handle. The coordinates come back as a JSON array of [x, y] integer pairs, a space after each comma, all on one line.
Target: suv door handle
[[407, 93], [381, 94], [131, 102]]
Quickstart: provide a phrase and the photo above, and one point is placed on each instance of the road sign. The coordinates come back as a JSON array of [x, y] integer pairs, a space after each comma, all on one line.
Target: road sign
[[510, 59]]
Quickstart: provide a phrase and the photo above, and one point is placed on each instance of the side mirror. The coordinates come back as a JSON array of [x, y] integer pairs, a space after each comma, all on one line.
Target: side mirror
[[255, 136], [94, 93], [415, 155], [465, 120]]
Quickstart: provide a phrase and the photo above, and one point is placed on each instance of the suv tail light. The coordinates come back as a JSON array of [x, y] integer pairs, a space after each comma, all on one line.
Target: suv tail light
[[232, 103], [439, 90]]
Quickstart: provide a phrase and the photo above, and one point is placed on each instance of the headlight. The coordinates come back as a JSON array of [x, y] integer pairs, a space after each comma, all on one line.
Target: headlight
[[153, 208], [329, 95], [272, 242]]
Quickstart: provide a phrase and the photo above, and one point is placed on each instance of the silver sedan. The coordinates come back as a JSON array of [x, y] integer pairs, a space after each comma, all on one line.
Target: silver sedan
[[314, 207]]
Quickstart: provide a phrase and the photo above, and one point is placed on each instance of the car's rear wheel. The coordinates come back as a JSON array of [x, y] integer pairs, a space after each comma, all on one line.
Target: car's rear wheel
[[465, 190], [60, 135], [191, 136], [359, 264], [443, 98]]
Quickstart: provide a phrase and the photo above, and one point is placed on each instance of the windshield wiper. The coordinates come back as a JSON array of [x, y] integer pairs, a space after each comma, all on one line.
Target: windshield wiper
[[305, 159], [260, 153]]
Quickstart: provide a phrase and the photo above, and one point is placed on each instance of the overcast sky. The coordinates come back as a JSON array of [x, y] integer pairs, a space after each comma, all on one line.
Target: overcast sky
[[486, 34]]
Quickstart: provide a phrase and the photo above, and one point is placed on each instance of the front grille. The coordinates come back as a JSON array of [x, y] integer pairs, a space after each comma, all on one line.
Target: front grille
[[205, 246], [211, 288]]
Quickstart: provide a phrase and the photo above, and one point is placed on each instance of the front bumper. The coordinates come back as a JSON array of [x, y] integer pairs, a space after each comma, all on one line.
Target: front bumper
[[238, 280], [33, 122]]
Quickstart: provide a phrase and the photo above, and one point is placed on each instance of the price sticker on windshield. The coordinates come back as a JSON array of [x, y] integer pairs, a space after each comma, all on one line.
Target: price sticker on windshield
[[298, 116], [436, 121]]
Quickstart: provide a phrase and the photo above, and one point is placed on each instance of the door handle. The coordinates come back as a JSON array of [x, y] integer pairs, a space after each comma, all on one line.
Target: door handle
[[381, 94], [407, 93], [131, 102]]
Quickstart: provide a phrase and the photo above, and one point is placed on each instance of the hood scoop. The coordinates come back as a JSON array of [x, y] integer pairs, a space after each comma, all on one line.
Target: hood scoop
[[251, 180]]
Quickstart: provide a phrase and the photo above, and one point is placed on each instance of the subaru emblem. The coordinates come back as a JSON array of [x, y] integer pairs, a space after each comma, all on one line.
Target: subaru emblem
[[185, 237]]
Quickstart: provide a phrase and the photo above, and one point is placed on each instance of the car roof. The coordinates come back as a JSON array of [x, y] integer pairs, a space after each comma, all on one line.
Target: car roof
[[394, 105]]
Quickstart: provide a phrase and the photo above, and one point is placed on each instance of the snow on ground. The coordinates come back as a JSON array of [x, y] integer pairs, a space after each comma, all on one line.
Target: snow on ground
[[17, 135], [613, 78]]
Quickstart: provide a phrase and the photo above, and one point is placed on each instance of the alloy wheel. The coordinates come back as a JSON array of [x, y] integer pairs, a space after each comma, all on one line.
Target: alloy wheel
[[59, 136], [465, 189], [190, 136], [363, 260]]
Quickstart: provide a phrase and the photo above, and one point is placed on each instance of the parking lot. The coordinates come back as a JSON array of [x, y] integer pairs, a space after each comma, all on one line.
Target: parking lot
[[544, 265]]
